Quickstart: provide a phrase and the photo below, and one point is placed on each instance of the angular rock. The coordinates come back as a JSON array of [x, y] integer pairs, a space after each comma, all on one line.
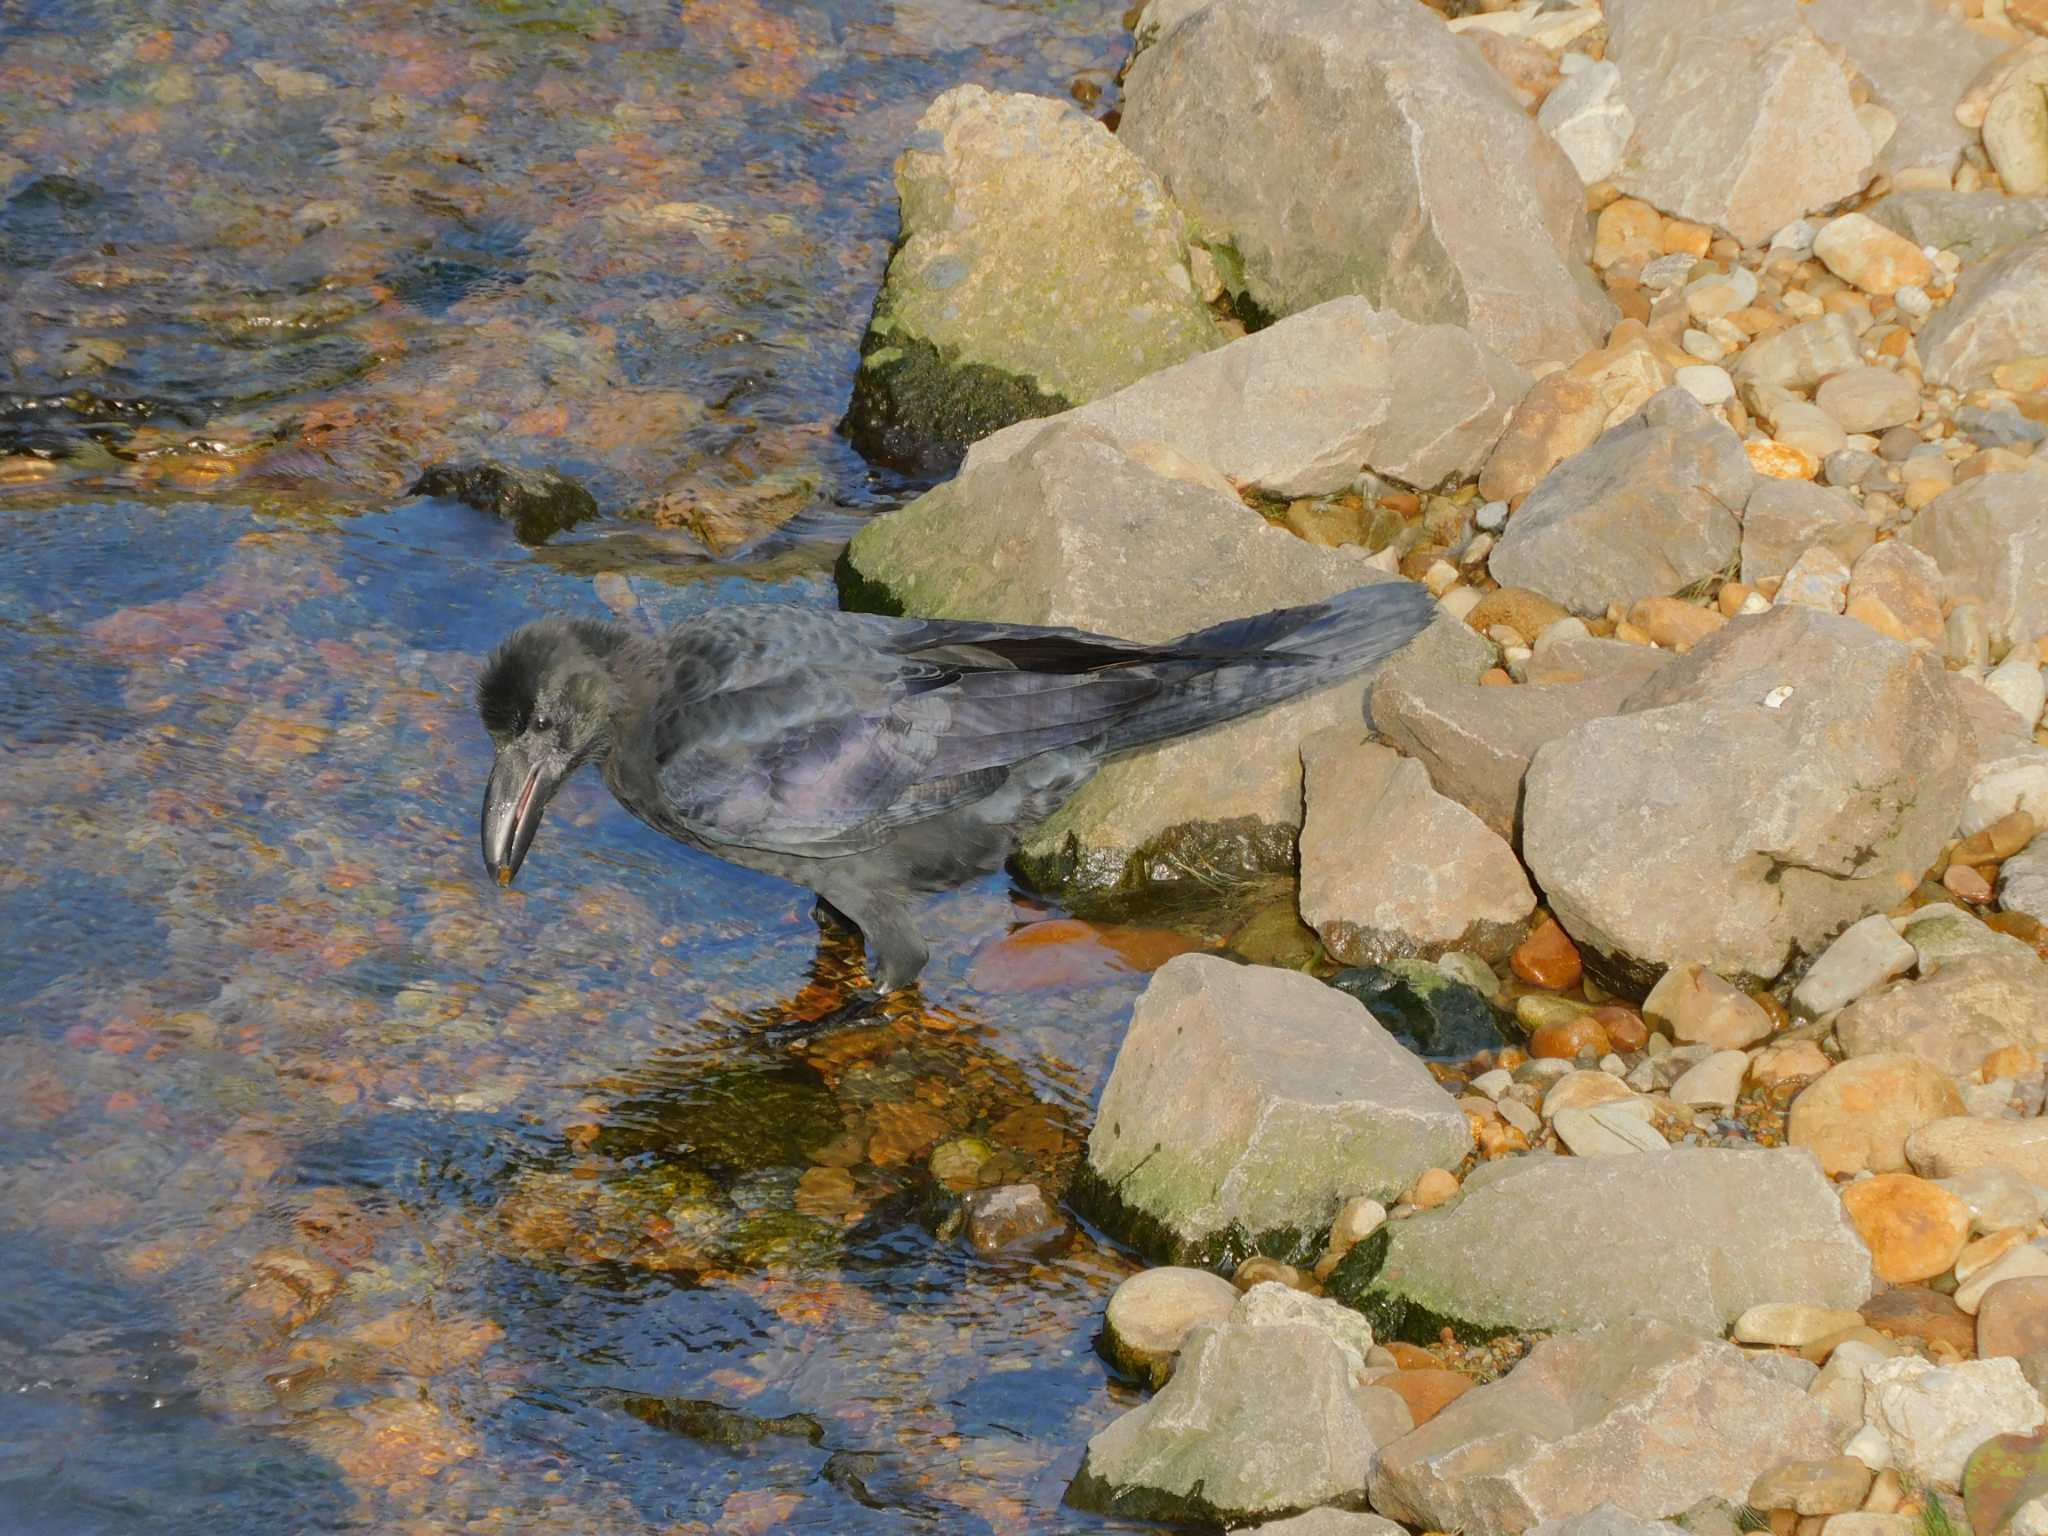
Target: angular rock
[[1869, 399], [1956, 1017], [1247, 1101], [1692, 1235], [1040, 265], [1650, 508], [1590, 122], [1975, 225], [1067, 532], [1477, 743], [1298, 409], [1390, 129], [1864, 955], [1262, 1417], [1990, 537], [538, 503], [1011, 1216], [1858, 1115], [2022, 879], [1699, 1008], [1798, 357], [1935, 1416], [1718, 91], [1391, 868], [1896, 590], [1862, 252], [1963, 1145], [1562, 414], [1641, 1415], [1999, 314], [1919, 59], [1778, 817], [1785, 518]]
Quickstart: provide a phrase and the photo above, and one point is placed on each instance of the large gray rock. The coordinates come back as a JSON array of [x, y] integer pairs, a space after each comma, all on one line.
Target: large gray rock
[[2023, 881], [1785, 518], [1299, 408], [1267, 1413], [1794, 772], [1999, 314], [1975, 225], [1040, 265], [1719, 90], [1646, 1417], [1919, 59], [1477, 743], [1967, 1009], [1690, 1235], [1366, 159], [1073, 530], [1390, 868], [1249, 1103], [1653, 506], [1990, 537]]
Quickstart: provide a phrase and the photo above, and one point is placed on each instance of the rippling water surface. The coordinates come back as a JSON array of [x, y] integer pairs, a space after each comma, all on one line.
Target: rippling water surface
[[338, 1189]]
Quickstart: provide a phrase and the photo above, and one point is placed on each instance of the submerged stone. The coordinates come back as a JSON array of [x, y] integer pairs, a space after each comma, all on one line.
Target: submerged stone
[[1426, 1011]]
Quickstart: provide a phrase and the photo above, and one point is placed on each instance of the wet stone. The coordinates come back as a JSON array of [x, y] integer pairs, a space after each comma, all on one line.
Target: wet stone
[[538, 503], [1427, 1012], [1914, 1312], [1012, 1216]]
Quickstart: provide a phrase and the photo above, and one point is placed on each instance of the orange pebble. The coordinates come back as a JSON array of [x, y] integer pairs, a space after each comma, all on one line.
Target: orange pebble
[[1547, 958]]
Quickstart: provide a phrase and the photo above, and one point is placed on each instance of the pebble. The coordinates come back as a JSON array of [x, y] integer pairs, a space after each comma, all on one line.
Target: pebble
[[1698, 1007], [1358, 1220], [1427, 1392], [1782, 460], [1624, 1026], [1915, 1312], [1914, 1228], [1859, 250], [1913, 302], [1585, 1090], [1869, 399], [1011, 1216], [2023, 1262], [1997, 1197], [1718, 294], [1864, 955], [1793, 1324], [1668, 271], [1796, 1061], [1494, 1083], [1673, 623], [1850, 467], [1567, 1039], [1830, 1487], [1981, 1253], [1858, 1115], [1491, 517], [1606, 1132], [1715, 1083], [1966, 884], [1897, 444], [1706, 383], [1818, 579], [1520, 1116], [2012, 1318], [1261, 1270], [1151, 1314], [1432, 1189], [1547, 957], [2017, 682]]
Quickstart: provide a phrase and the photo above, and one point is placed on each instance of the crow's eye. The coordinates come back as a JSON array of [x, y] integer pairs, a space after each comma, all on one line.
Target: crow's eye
[[543, 724]]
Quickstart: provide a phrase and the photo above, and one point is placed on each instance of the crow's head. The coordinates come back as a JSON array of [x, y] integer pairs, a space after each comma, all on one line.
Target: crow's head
[[547, 697]]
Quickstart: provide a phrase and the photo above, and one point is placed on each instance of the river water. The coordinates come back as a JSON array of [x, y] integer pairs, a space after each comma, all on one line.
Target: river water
[[338, 1189]]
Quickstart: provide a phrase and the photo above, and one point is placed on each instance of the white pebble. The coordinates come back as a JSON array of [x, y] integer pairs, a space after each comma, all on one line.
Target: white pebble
[[2018, 682], [1460, 601], [1796, 238], [1668, 271], [1913, 303], [1871, 1446], [1492, 517], [1495, 1083], [1706, 383]]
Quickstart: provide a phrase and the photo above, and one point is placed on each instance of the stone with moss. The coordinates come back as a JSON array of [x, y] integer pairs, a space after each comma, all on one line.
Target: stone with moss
[[1039, 265]]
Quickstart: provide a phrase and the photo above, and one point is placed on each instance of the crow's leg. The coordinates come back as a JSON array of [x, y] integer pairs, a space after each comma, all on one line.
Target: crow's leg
[[896, 951]]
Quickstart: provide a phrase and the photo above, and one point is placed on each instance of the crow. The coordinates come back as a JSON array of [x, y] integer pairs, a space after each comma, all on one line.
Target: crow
[[874, 759]]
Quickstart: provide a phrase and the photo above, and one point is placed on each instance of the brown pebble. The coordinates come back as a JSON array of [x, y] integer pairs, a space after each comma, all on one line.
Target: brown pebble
[[1413, 1357], [1427, 1393], [1831, 1487], [1499, 1139], [1997, 842], [1547, 957], [1432, 1189], [1564, 1042], [1674, 623], [2012, 1318], [1406, 503], [1494, 677], [1913, 1227], [1625, 1028], [1966, 884], [1527, 613], [1258, 1269], [2009, 1061], [1915, 1312]]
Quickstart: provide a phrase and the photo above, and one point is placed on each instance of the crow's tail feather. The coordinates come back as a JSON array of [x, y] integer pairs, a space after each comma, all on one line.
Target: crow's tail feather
[[1244, 665]]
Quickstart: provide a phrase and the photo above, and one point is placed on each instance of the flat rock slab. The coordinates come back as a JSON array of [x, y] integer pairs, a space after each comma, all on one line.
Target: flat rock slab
[[1989, 536], [1392, 132], [1975, 225], [1919, 59], [1247, 1104], [1299, 408], [1639, 1415], [1794, 772], [1040, 265], [1693, 1235], [1651, 507]]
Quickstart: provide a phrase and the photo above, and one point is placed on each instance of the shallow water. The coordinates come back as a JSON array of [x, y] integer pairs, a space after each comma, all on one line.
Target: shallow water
[[338, 1189]]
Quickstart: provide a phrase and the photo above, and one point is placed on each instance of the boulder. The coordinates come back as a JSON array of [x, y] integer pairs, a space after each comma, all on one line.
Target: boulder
[[1975, 225], [1477, 743], [1999, 314], [1990, 537], [1783, 519], [1391, 868], [1955, 1018], [1692, 1235], [1367, 163], [1298, 409], [1247, 1104], [1040, 264], [1652, 507], [1719, 90], [1640, 1415], [1266, 1415], [1070, 531], [1919, 59], [1794, 772]]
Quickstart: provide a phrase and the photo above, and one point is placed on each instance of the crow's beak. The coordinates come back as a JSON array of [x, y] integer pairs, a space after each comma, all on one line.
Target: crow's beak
[[519, 791]]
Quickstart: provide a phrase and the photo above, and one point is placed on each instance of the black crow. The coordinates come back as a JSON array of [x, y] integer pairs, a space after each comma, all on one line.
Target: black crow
[[874, 759]]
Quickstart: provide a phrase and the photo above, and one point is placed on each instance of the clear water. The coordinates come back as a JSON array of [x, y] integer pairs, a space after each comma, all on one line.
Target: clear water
[[338, 1189]]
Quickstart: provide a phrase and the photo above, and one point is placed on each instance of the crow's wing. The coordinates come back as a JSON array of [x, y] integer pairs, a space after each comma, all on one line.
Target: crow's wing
[[819, 738]]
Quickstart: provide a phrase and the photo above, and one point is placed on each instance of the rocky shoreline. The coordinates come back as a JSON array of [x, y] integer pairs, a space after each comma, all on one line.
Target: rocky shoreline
[[1695, 357]]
